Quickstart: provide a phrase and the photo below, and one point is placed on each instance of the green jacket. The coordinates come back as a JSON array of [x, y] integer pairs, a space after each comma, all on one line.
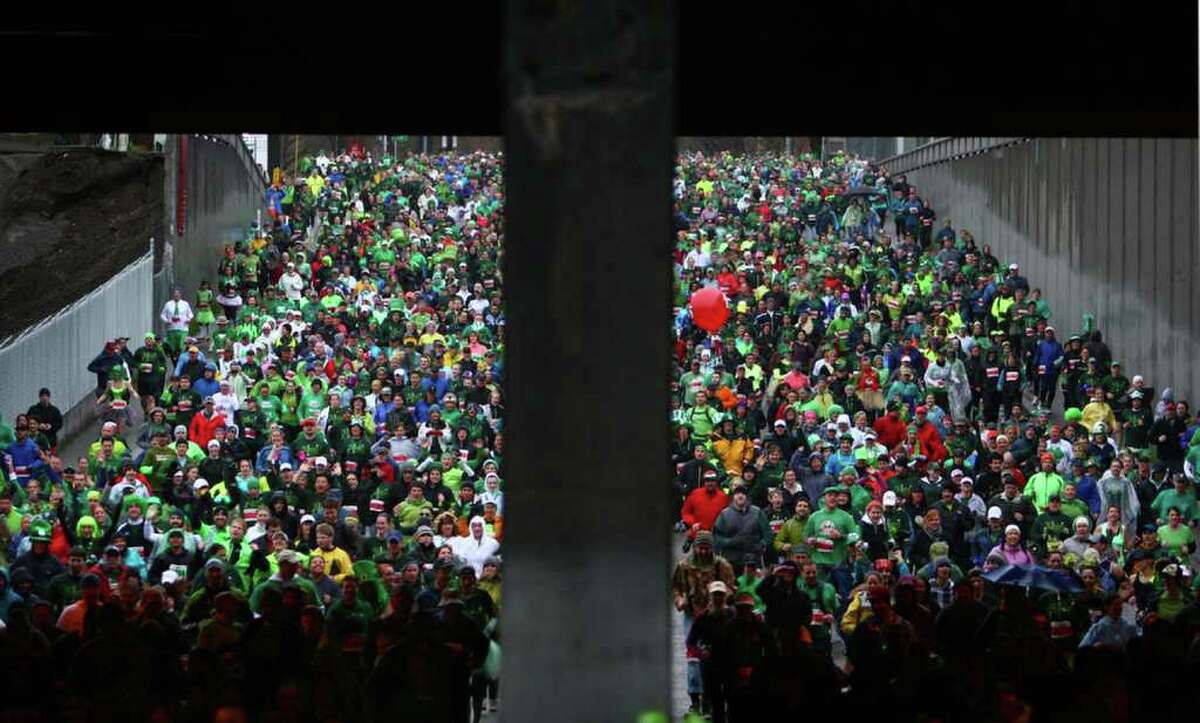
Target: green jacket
[[824, 598], [305, 585], [792, 533], [1041, 486], [408, 514]]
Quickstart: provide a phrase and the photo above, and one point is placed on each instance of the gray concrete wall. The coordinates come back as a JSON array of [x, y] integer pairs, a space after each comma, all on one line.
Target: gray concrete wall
[[224, 190], [1105, 226]]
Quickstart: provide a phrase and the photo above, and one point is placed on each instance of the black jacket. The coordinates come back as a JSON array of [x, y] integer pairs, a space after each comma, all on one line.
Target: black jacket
[[787, 606], [48, 414], [877, 537]]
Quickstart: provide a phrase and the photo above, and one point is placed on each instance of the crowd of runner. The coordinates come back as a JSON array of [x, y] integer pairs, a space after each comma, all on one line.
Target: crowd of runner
[[294, 506], [883, 511]]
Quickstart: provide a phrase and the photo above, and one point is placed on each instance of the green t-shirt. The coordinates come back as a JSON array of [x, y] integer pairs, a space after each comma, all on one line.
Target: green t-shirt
[[1173, 541], [826, 550]]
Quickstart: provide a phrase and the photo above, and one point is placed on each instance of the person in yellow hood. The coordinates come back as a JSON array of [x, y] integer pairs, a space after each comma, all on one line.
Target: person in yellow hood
[[734, 450], [1098, 411]]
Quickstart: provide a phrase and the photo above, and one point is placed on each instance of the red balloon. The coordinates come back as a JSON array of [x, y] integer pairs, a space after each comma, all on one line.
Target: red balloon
[[709, 310]]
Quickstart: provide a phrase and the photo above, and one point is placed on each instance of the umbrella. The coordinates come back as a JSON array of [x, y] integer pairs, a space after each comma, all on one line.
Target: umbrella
[[863, 191], [1041, 578]]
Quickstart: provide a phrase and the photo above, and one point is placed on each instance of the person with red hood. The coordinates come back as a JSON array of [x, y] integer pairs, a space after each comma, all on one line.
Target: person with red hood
[[60, 545], [728, 282], [868, 387], [927, 435], [891, 429], [703, 505]]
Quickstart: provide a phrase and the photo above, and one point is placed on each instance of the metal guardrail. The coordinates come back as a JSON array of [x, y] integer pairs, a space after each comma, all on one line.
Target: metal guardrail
[[942, 150]]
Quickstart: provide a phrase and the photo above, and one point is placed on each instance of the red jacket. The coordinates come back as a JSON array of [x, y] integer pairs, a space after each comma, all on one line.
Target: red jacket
[[202, 430], [931, 442], [891, 430], [703, 508], [869, 381]]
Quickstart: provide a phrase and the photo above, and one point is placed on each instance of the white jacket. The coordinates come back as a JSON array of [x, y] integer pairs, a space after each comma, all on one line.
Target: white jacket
[[475, 552]]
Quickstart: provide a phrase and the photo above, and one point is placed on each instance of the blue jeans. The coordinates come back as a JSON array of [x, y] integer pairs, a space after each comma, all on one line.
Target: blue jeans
[[695, 686], [839, 577]]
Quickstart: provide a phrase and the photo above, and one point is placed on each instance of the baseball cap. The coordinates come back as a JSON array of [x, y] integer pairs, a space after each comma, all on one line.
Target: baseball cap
[[995, 513], [717, 586], [889, 499]]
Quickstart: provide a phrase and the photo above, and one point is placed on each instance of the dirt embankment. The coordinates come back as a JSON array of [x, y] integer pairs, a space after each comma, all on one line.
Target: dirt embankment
[[69, 220]]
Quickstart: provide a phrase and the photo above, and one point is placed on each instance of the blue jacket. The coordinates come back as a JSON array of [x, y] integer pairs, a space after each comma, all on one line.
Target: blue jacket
[[837, 462], [183, 360], [1049, 354], [206, 387], [440, 385], [8, 598], [1086, 490], [26, 455], [262, 464], [382, 410]]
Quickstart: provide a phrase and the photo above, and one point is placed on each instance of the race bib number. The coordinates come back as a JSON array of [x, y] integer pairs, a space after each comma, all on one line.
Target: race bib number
[[993, 372], [119, 404], [824, 544], [1060, 629], [1041, 368], [147, 368], [1011, 376]]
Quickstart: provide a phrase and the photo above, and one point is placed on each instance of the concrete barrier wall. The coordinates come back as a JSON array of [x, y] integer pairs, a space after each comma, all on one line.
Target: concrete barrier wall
[[1105, 226], [223, 192]]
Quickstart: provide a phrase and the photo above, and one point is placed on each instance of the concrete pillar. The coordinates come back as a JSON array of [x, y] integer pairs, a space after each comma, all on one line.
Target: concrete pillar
[[586, 626]]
